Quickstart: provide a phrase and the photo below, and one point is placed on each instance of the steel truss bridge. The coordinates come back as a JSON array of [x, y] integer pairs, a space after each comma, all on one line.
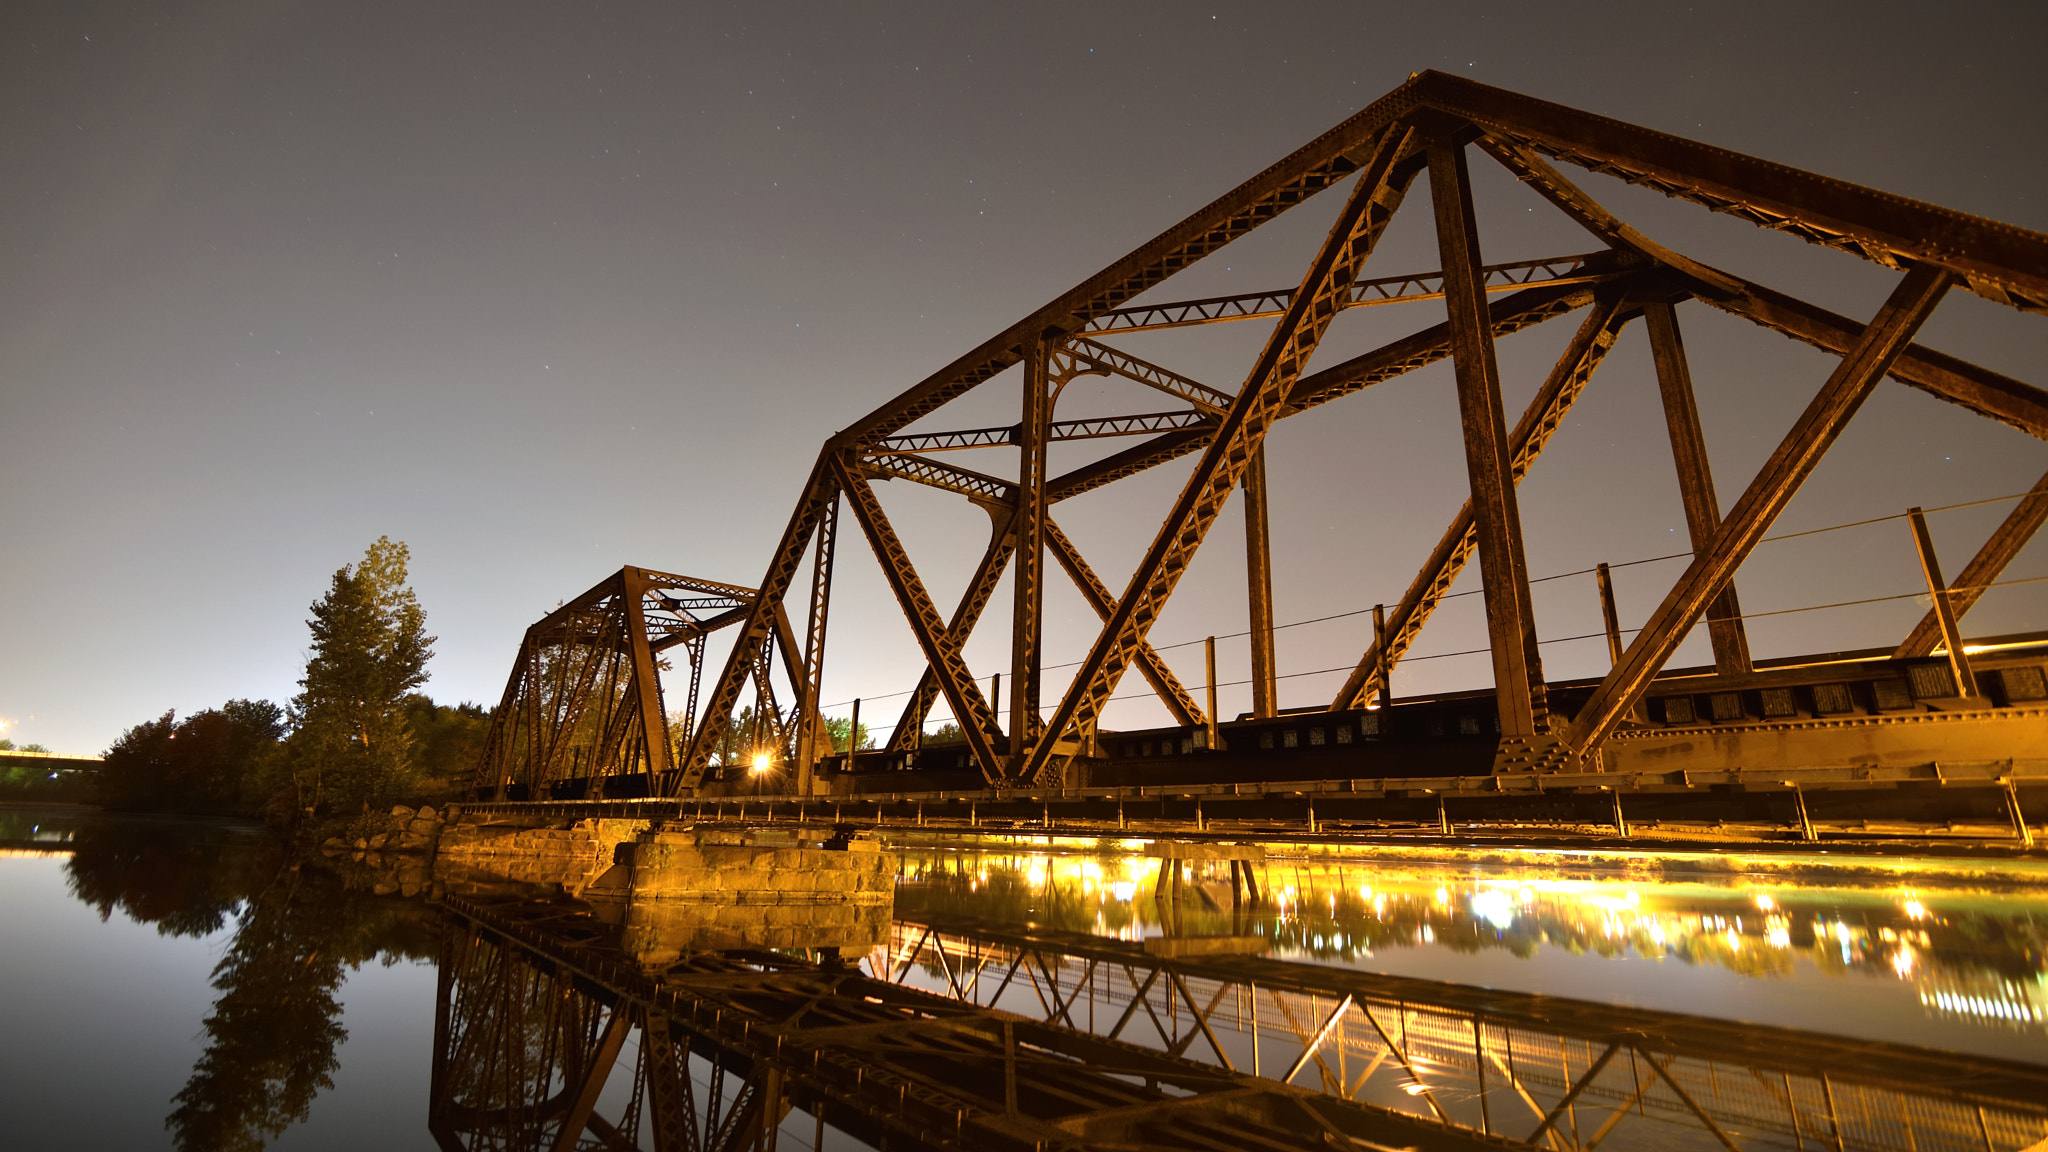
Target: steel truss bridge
[[955, 1034], [583, 713]]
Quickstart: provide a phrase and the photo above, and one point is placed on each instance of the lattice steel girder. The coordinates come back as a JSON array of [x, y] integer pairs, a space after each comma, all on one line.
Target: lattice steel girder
[[1981, 390], [1392, 166], [1094, 428], [1365, 293], [977, 720], [1083, 356], [1909, 305], [1002, 543], [1163, 681], [600, 648], [761, 618]]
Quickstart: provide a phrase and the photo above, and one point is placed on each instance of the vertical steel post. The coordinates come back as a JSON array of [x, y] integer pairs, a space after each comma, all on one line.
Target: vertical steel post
[[1695, 479], [1379, 633], [1027, 623], [1944, 608], [1258, 575], [809, 719], [1510, 620], [1608, 616], [853, 734], [1209, 655]]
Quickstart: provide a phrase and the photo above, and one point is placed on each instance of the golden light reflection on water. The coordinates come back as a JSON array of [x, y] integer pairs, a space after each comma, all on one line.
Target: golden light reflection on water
[[1970, 954]]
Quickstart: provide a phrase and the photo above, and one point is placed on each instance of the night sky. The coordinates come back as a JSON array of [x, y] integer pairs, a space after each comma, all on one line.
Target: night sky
[[544, 289]]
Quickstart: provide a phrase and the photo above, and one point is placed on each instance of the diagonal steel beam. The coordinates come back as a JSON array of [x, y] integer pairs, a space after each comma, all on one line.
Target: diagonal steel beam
[[2006, 541], [1695, 477], [2003, 263], [1909, 305], [977, 721], [783, 565], [1243, 428], [1595, 338], [1171, 693], [1091, 356], [1520, 691], [981, 587], [1981, 390]]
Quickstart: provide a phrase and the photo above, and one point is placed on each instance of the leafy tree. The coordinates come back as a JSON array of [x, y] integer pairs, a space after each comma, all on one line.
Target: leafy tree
[[837, 727], [212, 761], [947, 733], [352, 741], [448, 742]]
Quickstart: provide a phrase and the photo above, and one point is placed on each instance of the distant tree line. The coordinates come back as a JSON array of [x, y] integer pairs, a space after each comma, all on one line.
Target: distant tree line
[[357, 737]]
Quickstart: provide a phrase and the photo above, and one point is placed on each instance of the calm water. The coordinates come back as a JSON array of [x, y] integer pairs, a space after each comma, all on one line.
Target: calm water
[[185, 984]]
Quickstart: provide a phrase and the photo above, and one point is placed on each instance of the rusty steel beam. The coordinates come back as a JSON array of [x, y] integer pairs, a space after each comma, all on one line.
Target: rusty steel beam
[[1373, 201], [1171, 693], [1998, 261], [1027, 617], [1980, 390], [1518, 681], [1695, 477], [1365, 293], [1909, 305], [809, 719], [1088, 356], [1094, 428], [981, 587], [1984, 568], [977, 719], [782, 568], [1545, 414], [1258, 581]]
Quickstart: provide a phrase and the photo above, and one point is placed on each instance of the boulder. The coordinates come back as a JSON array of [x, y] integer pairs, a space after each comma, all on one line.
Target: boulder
[[402, 812]]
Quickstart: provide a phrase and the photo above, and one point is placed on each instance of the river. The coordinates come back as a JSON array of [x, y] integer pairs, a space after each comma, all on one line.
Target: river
[[189, 984]]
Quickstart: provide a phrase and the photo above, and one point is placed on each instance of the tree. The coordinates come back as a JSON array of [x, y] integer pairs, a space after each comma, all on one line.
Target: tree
[[352, 741], [837, 727], [212, 761]]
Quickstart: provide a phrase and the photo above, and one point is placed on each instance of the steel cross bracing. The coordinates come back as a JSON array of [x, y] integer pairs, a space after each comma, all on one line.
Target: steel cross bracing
[[1525, 1070], [536, 1005], [1437, 124]]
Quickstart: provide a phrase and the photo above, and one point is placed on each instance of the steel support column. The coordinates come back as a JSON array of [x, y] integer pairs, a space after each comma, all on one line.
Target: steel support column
[[1258, 578], [1027, 621], [809, 721], [1510, 620], [1695, 478]]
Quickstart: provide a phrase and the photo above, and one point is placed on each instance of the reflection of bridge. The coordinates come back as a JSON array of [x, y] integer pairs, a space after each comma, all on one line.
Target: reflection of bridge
[[583, 714], [1026, 1038]]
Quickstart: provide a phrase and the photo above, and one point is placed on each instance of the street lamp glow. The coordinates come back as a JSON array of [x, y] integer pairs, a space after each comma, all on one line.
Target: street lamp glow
[[762, 762]]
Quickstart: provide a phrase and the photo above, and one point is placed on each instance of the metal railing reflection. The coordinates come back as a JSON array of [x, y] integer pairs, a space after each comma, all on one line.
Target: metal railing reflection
[[1533, 1070]]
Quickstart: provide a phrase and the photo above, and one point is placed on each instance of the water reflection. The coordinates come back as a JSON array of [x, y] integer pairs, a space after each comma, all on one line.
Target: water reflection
[[291, 932], [1968, 954], [298, 930]]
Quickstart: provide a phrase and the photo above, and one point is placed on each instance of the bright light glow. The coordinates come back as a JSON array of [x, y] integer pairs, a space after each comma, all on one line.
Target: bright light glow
[[762, 762], [1496, 908], [1765, 902], [1413, 1089], [1915, 910], [1902, 963], [1632, 898]]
